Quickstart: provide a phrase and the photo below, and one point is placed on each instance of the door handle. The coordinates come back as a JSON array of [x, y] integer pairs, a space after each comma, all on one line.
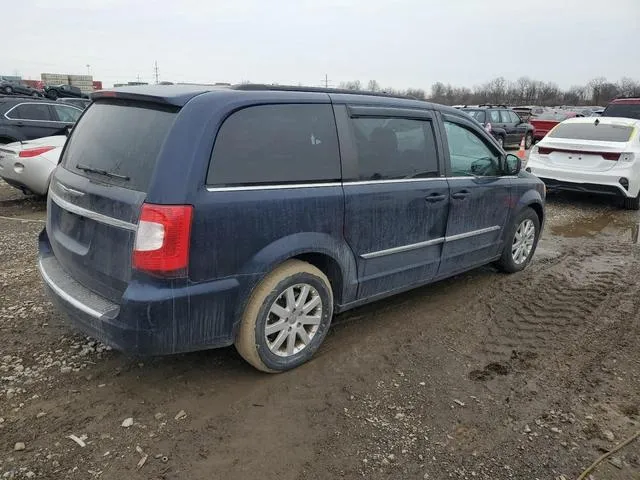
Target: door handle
[[435, 197], [461, 195]]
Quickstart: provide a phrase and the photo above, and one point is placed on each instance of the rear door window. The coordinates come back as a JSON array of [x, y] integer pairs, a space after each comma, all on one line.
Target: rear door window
[[66, 113], [494, 116], [276, 144], [394, 148], [31, 111], [601, 132], [120, 138]]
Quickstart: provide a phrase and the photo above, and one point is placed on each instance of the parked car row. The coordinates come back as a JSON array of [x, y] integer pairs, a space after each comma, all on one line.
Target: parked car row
[[506, 126], [52, 92]]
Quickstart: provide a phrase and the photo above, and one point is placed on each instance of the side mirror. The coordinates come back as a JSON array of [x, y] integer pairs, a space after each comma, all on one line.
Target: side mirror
[[512, 164]]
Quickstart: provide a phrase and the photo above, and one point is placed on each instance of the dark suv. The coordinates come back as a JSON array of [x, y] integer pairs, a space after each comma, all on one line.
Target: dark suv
[[25, 118], [183, 218], [623, 107], [504, 124]]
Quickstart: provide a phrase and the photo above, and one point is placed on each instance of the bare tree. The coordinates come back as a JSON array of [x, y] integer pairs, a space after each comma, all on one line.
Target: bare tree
[[373, 86]]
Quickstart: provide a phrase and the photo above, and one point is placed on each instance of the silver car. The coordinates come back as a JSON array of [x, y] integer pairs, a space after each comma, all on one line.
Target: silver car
[[28, 165]]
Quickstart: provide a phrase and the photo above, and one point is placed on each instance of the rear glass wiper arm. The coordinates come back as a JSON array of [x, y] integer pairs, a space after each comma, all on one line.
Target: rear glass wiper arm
[[84, 168]]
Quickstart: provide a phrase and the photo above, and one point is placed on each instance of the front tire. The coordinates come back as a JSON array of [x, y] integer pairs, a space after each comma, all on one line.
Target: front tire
[[520, 242], [8, 90], [528, 141], [286, 318]]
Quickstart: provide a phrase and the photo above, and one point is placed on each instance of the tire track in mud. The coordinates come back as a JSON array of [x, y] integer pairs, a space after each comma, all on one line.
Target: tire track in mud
[[558, 304]]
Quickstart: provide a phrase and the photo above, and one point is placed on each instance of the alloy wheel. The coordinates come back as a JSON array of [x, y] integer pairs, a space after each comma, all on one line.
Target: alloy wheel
[[293, 320], [523, 241]]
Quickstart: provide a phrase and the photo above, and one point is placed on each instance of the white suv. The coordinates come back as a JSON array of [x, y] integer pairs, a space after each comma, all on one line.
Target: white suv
[[595, 155]]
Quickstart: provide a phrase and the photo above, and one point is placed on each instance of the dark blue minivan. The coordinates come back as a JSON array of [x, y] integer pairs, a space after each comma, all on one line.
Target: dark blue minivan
[[183, 218]]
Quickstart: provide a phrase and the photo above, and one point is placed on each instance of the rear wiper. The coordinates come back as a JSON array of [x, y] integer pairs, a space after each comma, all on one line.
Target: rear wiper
[[84, 168]]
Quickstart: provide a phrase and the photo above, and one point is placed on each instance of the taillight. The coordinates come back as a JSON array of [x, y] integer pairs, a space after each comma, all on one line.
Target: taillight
[[34, 152], [163, 238], [544, 151], [611, 156]]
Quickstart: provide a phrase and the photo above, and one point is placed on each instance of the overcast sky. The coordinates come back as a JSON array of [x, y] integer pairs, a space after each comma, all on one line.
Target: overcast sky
[[403, 43]]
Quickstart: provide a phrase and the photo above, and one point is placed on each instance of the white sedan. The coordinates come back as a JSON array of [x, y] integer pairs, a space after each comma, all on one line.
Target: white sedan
[[596, 155], [28, 165]]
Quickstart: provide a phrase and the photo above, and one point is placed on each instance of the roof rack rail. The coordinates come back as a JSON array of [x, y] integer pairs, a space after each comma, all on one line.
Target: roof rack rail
[[292, 88], [492, 105], [17, 95]]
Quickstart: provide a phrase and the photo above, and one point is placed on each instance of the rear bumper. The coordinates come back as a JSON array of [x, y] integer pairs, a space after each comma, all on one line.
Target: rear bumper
[[149, 320], [32, 174], [604, 183]]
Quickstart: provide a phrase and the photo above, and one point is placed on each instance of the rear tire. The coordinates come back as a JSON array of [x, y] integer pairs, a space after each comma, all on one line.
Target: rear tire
[[8, 90], [520, 242], [631, 203], [270, 308], [500, 140]]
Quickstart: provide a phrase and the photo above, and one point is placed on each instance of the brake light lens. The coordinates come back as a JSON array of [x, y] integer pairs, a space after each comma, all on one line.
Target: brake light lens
[[611, 156], [34, 152], [162, 239]]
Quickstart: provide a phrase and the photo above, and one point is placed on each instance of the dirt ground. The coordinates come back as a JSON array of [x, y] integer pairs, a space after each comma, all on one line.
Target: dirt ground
[[484, 376]]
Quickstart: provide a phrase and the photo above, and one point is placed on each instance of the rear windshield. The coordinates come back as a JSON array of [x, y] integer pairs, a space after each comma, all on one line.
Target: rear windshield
[[555, 116], [591, 131], [628, 110], [120, 139], [479, 115]]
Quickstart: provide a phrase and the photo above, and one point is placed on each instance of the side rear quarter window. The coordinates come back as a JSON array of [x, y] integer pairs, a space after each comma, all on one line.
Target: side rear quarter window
[[394, 148], [276, 144]]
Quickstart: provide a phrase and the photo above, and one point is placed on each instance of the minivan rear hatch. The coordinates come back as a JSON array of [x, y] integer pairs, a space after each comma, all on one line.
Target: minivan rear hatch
[[96, 193]]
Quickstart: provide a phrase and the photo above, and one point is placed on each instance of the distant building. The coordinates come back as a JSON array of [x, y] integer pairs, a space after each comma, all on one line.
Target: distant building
[[129, 84], [83, 82]]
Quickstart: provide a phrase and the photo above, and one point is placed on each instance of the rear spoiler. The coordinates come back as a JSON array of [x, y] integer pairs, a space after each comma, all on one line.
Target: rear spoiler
[[174, 95]]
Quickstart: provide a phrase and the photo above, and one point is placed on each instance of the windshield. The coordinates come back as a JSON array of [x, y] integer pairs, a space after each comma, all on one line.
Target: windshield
[[626, 110], [591, 131], [120, 139], [479, 115]]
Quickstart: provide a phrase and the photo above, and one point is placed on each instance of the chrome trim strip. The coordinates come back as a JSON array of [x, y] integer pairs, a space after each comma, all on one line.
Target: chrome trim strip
[[472, 233], [428, 243], [65, 296], [283, 186], [71, 191], [404, 248], [39, 103], [394, 180], [98, 217]]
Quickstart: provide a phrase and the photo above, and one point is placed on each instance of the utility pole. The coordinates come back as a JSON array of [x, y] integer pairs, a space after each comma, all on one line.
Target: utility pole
[[326, 81], [155, 70]]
